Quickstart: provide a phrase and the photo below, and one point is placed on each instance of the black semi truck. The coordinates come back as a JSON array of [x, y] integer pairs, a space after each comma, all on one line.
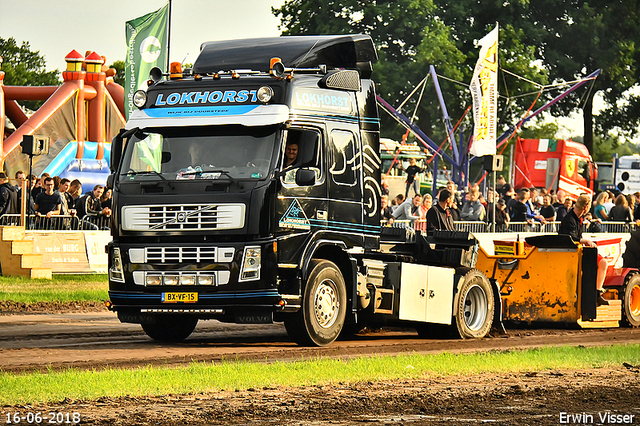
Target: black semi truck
[[247, 190]]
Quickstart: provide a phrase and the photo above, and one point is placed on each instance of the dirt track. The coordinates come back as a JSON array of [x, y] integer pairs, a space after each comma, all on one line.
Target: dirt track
[[97, 340]]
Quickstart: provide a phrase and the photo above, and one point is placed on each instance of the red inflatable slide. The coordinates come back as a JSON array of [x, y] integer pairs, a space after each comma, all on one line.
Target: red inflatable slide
[[88, 106]]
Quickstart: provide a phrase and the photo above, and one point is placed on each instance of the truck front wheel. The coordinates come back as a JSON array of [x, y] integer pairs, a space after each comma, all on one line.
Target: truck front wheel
[[474, 310], [631, 301], [324, 306], [171, 328]]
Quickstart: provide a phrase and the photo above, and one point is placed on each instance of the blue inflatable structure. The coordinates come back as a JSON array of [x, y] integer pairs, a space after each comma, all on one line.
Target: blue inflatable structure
[[88, 170]]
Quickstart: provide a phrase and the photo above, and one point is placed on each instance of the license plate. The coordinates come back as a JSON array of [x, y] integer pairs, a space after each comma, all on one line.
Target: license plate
[[179, 297]]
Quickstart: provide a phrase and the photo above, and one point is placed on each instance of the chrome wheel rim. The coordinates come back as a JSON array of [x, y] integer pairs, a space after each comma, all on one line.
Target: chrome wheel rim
[[475, 307], [326, 304]]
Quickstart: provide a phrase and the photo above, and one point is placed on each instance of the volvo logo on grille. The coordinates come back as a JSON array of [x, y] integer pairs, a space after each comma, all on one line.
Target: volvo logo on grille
[[181, 217]]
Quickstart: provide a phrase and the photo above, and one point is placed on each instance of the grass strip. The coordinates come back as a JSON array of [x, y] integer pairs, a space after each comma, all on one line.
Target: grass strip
[[204, 377], [61, 288]]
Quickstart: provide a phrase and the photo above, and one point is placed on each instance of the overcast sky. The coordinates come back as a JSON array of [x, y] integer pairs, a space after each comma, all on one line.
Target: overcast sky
[[56, 27]]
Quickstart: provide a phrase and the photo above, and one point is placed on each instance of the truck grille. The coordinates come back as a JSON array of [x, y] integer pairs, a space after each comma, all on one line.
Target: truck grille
[[190, 217], [181, 254]]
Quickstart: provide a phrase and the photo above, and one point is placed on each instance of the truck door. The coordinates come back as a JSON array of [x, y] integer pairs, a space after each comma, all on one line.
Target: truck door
[[344, 176], [301, 211]]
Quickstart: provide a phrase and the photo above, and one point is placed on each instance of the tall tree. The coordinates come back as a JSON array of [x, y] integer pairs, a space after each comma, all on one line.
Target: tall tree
[[543, 41], [407, 37], [119, 67], [410, 36], [24, 67], [570, 39]]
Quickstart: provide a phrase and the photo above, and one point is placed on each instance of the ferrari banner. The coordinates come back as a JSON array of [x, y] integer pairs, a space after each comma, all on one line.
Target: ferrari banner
[[484, 90]]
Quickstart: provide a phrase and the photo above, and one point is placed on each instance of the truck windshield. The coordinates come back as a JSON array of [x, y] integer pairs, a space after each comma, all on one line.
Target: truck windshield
[[237, 152]]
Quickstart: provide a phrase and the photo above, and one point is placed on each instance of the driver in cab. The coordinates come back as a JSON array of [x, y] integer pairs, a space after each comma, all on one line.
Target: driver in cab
[[290, 153], [290, 157]]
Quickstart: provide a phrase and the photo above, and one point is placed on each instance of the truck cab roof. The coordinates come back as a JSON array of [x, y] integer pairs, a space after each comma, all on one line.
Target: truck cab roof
[[334, 51]]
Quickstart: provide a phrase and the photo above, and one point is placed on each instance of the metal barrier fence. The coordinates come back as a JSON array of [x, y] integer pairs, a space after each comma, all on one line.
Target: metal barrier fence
[[58, 223], [549, 227]]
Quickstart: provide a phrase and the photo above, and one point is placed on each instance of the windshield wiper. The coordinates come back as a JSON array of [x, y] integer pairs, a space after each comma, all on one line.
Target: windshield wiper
[[151, 172], [222, 172]]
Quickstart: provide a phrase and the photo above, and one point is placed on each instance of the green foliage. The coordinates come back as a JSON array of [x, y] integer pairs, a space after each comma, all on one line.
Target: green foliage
[[547, 41], [119, 67], [24, 67], [406, 48], [607, 146], [542, 131]]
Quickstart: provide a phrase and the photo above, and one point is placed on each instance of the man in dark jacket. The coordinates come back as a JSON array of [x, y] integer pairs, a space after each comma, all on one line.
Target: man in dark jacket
[[439, 216], [89, 204], [572, 225], [631, 254], [8, 196]]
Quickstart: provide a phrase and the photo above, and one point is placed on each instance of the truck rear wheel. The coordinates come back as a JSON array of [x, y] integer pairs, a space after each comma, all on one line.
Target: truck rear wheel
[[631, 301], [171, 328], [324, 307], [474, 310]]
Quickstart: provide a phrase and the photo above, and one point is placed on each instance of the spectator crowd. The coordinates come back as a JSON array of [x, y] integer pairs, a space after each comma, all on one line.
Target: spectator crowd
[[53, 202], [530, 208]]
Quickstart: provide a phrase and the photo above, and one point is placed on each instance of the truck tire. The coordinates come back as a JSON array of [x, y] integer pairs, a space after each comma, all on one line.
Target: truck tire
[[631, 301], [474, 309], [171, 328], [324, 306]]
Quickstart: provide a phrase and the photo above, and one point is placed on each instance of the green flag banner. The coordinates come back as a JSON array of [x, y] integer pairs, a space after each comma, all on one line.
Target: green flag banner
[[147, 42]]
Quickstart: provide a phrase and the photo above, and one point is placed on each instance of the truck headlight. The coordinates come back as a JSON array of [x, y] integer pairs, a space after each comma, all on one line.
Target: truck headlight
[[251, 260], [140, 98], [116, 273], [265, 93]]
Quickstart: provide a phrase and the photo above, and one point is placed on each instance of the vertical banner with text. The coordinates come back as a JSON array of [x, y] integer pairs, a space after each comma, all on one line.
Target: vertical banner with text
[[147, 41], [484, 90]]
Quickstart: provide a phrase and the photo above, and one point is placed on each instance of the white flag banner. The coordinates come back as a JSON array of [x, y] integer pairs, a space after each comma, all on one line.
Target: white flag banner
[[484, 90]]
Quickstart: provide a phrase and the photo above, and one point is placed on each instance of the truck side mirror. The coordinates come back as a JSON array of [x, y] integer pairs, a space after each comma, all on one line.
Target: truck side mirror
[[116, 151], [110, 180], [117, 145], [305, 177], [587, 172]]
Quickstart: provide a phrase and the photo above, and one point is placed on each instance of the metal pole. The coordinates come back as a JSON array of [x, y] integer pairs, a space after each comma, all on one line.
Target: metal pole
[[169, 36], [493, 204]]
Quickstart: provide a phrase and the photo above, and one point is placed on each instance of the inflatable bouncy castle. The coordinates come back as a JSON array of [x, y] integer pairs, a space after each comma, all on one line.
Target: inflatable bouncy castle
[[79, 117]]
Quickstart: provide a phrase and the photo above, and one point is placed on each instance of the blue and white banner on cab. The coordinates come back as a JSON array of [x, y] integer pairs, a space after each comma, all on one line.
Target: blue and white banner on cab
[[147, 42], [484, 90]]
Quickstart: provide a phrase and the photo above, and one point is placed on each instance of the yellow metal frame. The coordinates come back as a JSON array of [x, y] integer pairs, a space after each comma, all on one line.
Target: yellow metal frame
[[545, 285]]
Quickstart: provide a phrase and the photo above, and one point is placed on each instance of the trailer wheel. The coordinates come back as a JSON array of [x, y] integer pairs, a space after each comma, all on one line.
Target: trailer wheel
[[324, 307], [474, 310], [171, 328], [631, 301]]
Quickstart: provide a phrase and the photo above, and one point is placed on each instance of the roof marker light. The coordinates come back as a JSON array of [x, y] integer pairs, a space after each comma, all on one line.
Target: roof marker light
[[175, 70]]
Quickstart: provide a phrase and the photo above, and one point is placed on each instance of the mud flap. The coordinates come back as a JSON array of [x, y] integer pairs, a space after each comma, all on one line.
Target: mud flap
[[588, 285], [497, 326]]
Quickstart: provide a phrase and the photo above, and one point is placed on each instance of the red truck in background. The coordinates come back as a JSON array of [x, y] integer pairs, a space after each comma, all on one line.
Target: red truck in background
[[554, 164]]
